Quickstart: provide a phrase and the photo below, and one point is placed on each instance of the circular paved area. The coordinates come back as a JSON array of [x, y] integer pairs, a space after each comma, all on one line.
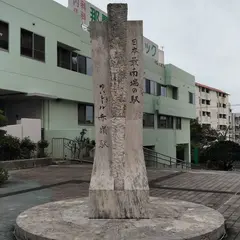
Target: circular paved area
[[169, 219]]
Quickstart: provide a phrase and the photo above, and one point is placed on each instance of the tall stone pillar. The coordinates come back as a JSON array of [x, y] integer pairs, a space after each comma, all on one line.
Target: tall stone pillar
[[119, 186]]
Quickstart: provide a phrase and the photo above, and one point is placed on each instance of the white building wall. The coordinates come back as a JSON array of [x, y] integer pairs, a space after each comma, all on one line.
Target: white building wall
[[216, 107], [236, 127]]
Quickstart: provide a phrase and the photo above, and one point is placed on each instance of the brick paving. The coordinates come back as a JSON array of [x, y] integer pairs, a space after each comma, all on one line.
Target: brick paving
[[218, 190]]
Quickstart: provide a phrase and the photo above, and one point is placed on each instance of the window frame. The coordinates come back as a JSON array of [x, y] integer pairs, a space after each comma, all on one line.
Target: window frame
[[85, 105], [8, 28], [178, 123], [33, 49], [84, 69], [168, 122], [175, 93], [148, 125], [147, 86], [193, 98]]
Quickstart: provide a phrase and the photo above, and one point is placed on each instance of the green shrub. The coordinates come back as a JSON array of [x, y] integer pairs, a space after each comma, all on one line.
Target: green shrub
[[3, 176], [9, 148], [27, 147], [41, 145]]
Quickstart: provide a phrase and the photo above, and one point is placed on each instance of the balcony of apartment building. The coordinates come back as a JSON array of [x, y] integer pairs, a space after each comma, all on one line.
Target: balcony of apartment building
[[204, 93]]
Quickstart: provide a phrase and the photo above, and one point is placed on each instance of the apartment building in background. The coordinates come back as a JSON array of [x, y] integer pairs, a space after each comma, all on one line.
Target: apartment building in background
[[236, 127], [46, 73], [213, 108]]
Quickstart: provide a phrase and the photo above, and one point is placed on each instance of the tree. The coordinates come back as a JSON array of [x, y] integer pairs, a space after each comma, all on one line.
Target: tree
[[221, 155], [202, 136]]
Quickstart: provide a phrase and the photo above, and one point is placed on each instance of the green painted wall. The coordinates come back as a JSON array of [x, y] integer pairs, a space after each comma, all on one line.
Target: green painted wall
[[56, 23]]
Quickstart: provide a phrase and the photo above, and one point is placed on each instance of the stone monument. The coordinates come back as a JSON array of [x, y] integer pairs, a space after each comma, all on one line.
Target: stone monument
[[119, 185], [119, 206]]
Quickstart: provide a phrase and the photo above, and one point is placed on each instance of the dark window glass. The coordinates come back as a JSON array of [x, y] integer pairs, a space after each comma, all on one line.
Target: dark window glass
[[203, 101], [147, 86], [178, 123], [208, 102], [39, 47], [81, 64], [32, 45], [64, 58], [158, 89], [4, 35], [224, 105], [191, 98], [74, 61], [85, 114], [161, 90], [165, 121], [89, 66], [175, 93], [26, 43], [148, 120]]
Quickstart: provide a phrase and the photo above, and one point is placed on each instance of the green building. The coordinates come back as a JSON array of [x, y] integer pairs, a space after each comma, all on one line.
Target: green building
[[45, 73]]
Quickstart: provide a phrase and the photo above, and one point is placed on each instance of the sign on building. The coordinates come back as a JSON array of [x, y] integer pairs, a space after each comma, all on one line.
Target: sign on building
[[88, 12]]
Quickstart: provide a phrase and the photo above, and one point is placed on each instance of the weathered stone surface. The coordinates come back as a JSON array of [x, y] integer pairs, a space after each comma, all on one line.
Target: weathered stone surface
[[119, 186], [169, 220]]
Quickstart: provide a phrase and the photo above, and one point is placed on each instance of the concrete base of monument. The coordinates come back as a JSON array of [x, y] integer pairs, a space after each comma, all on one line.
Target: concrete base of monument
[[170, 219]]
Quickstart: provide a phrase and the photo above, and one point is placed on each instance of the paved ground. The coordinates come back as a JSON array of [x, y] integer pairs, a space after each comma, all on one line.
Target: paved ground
[[28, 188]]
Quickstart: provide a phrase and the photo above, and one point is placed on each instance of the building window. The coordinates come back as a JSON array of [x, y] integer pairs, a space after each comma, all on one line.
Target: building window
[[204, 113], [208, 114], [178, 123], [64, 57], [207, 90], [175, 93], [4, 35], [222, 127], [85, 113], [161, 90], [89, 67], [81, 64], [203, 101], [224, 105], [147, 86], [191, 97], [208, 102], [153, 88], [32, 45], [224, 116], [73, 61], [165, 121], [203, 89], [148, 120]]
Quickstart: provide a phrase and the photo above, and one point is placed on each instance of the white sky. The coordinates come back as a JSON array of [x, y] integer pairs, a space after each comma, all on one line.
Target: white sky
[[199, 36]]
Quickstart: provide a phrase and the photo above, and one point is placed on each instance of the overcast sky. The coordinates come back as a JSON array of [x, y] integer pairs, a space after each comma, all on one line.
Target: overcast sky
[[200, 36]]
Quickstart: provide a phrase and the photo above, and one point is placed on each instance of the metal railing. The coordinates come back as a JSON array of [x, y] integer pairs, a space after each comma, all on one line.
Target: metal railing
[[67, 149], [61, 150], [159, 160]]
